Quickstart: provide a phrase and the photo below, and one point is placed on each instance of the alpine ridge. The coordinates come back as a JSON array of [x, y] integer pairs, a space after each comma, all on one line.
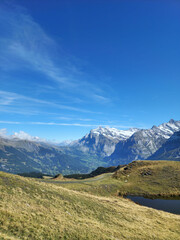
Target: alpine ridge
[[170, 150], [143, 143], [102, 140], [103, 146]]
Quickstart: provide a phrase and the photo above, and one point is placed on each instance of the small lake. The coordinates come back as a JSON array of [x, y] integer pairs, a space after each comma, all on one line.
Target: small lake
[[168, 205]]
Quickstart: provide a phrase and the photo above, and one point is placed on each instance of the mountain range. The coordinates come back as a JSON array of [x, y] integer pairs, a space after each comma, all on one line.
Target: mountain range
[[143, 143], [170, 150], [102, 141], [101, 147], [19, 156]]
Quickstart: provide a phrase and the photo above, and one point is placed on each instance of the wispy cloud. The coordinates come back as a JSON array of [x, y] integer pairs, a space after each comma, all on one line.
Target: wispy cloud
[[76, 119], [68, 124], [100, 98], [7, 98], [14, 110], [64, 124], [26, 44], [80, 125], [10, 122]]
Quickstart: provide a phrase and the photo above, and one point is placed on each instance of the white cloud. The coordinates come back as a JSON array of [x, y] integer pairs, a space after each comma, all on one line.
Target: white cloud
[[3, 132], [20, 135], [25, 136]]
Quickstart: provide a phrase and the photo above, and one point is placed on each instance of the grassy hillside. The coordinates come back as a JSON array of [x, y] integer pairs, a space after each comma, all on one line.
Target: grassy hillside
[[30, 209], [146, 178], [156, 178]]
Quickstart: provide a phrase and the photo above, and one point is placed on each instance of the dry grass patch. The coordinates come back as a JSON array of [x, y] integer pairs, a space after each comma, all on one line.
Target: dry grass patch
[[33, 210], [142, 178], [151, 178]]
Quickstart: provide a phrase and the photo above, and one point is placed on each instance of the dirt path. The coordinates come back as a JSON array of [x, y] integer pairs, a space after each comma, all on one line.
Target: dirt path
[[79, 181]]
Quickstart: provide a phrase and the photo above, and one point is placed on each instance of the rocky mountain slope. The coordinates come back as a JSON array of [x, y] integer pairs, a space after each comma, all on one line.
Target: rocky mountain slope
[[142, 144], [17, 156], [170, 150], [102, 141], [101, 147]]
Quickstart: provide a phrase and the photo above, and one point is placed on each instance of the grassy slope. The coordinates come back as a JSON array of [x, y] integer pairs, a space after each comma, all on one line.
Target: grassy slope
[[164, 180], [150, 178], [34, 210]]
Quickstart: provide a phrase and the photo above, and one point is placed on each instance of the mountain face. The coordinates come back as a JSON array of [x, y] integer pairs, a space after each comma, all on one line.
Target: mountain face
[[170, 150], [101, 147], [102, 141], [142, 144], [18, 156]]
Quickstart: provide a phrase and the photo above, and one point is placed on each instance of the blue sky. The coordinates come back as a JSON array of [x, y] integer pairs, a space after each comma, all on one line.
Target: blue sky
[[69, 66]]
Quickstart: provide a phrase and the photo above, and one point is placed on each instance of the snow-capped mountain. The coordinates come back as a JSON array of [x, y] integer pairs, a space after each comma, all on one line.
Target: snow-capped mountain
[[167, 129], [101, 147], [142, 144], [113, 133], [102, 140], [170, 150]]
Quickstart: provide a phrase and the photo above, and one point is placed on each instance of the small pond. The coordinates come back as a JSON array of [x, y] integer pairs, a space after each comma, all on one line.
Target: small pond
[[168, 205]]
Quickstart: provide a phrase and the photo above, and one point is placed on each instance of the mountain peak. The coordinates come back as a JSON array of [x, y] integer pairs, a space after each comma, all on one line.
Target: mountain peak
[[102, 140], [172, 121], [113, 132]]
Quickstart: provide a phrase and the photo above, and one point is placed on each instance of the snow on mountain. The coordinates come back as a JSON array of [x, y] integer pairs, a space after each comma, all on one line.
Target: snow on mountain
[[102, 140], [22, 153], [113, 132], [144, 143], [170, 150], [63, 143], [167, 129]]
